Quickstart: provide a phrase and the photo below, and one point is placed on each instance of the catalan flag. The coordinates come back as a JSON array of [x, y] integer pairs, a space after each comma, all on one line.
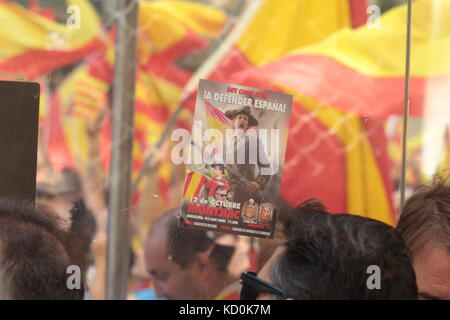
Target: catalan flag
[[33, 45], [168, 31], [78, 99]]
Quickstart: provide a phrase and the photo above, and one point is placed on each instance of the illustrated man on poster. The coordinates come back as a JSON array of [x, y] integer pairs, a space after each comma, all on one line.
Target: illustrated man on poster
[[247, 179]]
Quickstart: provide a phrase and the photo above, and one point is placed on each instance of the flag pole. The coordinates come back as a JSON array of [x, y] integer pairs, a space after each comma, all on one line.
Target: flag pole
[[406, 106], [118, 251]]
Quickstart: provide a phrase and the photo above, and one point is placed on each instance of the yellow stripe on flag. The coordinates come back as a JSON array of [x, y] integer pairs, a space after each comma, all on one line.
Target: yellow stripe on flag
[[366, 193], [378, 52], [165, 22], [281, 26], [39, 33], [196, 179]]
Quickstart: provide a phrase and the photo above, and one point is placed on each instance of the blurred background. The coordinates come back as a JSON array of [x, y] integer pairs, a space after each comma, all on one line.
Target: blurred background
[[342, 60]]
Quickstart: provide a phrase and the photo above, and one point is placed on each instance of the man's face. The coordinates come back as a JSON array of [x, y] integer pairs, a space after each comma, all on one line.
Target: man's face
[[241, 122], [432, 267], [170, 281], [221, 194], [264, 273]]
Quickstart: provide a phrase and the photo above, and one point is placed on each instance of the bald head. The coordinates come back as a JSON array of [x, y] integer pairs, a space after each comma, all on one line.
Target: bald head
[[181, 243], [179, 259]]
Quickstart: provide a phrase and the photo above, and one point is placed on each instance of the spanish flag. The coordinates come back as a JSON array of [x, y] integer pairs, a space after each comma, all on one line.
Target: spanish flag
[[33, 45], [352, 79], [193, 185], [333, 155], [363, 69], [216, 118]]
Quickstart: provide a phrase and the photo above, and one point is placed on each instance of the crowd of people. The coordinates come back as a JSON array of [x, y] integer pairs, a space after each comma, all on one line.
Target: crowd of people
[[316, 254]]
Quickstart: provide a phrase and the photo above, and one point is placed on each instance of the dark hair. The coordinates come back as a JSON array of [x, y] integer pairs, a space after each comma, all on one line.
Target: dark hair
[[220, 165], [84, 225], [426, 215], [35, 253], [327, 257], [184, 242]]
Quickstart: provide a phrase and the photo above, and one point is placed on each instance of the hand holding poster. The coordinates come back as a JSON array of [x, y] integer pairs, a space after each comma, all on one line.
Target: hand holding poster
[[235, 158]]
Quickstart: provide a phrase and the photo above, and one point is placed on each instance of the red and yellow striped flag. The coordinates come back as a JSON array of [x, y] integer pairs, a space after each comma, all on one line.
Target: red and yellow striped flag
[[32, 45], [364, 68], [168, 31], [193, 185], [216, 118], [331, 154], [362, 72]]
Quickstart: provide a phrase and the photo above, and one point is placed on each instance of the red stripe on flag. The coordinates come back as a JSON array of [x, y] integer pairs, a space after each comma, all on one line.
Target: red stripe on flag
[[137, 164], [217, 114], [34, 63], [199, 186], [358, 11], [233, 61], [154, 112], [95, 89], [139, 136], [309, 163], [100, 68], [162, 64], [188, 181], [337, 85], [91, 108], [375, 129], [58, 151]]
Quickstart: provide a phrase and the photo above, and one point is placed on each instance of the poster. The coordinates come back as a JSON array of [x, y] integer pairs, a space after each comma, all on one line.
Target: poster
[[234, 160]]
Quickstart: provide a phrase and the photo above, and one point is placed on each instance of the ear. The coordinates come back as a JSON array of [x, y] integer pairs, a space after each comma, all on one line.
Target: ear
[[203, 262]]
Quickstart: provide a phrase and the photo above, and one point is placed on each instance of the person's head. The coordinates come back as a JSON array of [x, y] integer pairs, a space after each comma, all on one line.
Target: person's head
[[241, 122], [334, 257], [241, 118], [185, 263], [424, 225], [35, 254], [221, 193], [218, 170]]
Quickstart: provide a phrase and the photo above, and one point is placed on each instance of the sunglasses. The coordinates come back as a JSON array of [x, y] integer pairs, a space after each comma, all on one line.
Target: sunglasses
[[252, 286], [221, 194]]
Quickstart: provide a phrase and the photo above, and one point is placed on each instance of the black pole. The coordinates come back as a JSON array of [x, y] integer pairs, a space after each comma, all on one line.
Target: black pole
[[406, 106]]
